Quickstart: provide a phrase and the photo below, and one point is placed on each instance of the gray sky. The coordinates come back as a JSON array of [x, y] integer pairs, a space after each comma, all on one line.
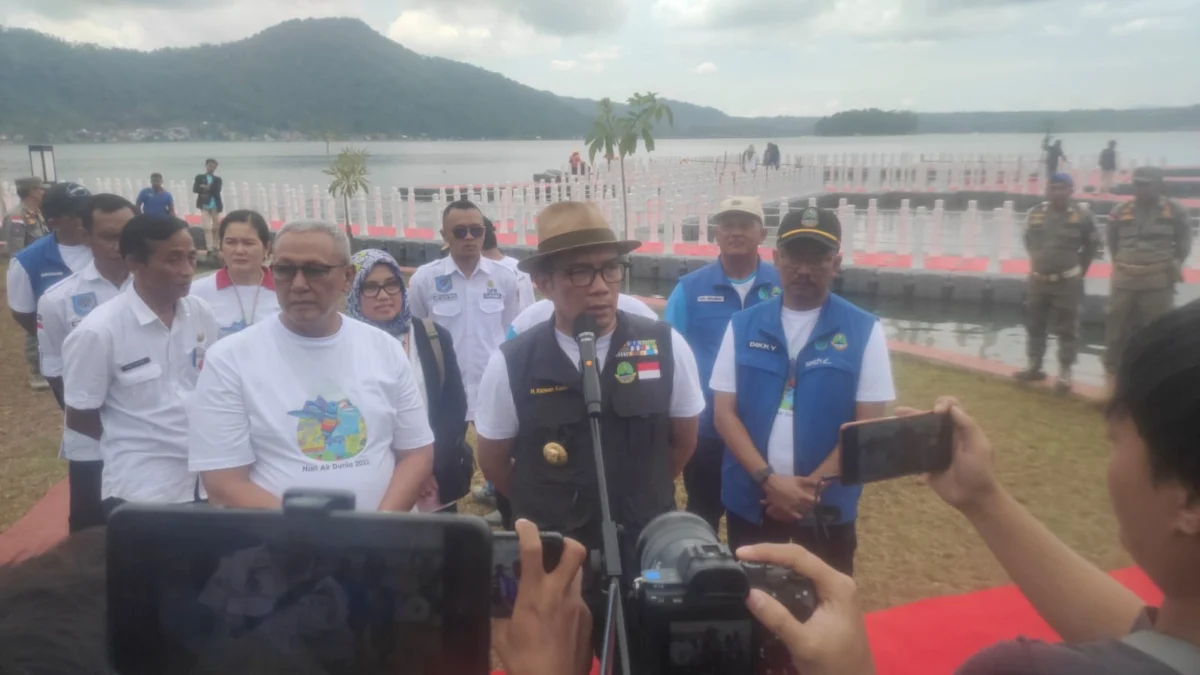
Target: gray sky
[[746, 57]]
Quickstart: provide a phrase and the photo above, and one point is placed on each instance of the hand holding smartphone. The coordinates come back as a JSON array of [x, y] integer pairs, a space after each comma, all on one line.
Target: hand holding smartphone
[[891, 447], [506, 567]]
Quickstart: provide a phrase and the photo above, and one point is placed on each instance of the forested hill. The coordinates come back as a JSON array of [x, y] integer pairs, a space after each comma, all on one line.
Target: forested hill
[[340, 78], [310, 76]]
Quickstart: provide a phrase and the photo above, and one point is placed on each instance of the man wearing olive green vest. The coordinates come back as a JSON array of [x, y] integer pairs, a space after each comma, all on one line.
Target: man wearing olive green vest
[[1149, 238]]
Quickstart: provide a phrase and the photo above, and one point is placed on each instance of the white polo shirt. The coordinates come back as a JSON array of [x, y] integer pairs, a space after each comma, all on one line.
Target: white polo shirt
[[59, 311], [542, 310], [234, 306], [525, 293], [327, 413], [477, 311], [123, 361]]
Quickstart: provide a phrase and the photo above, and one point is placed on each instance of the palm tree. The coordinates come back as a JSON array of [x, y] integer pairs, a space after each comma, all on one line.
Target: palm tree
[[349, 173], [610, 132]]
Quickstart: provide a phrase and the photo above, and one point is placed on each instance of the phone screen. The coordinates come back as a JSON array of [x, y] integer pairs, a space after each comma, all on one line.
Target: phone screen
[[207, 590], [506, 567], [893, 447]]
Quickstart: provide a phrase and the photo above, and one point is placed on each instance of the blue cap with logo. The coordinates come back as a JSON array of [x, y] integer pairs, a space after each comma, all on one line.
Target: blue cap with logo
[[65, 199]]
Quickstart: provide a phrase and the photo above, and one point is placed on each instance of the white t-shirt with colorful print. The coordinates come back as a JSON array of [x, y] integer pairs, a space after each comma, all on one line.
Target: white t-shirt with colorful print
[[327, 413]]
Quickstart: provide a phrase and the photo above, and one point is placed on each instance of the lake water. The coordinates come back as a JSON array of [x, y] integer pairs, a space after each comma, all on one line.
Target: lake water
[[414, 163], [995, 334]]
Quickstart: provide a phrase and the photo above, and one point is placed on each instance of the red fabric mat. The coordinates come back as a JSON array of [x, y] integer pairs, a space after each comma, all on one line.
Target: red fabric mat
[[935, 636]]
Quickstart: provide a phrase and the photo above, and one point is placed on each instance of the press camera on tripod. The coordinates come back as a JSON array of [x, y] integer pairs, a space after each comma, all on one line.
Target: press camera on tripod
[[688, 605]]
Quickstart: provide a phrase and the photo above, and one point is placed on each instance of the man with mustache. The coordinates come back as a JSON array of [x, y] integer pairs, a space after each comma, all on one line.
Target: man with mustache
[[790, 372]]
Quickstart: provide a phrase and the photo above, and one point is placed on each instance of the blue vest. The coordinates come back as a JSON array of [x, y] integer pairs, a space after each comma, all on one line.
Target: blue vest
[[711, 301], [827, 371], [44, 264]]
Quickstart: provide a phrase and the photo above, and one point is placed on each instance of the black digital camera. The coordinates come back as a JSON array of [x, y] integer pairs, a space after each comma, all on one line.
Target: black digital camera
[[690, 604]]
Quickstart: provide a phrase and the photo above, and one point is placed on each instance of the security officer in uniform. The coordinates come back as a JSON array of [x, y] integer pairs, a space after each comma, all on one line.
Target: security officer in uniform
[[534, 434], [1061, 240], [1149, 239], [700, 308], [26, 226]]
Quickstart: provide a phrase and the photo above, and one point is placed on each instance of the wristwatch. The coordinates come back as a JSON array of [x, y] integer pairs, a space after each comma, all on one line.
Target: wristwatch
[[763, 474]]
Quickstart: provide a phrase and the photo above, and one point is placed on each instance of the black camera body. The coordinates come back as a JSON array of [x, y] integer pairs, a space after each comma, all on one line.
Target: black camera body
[[690, 604]]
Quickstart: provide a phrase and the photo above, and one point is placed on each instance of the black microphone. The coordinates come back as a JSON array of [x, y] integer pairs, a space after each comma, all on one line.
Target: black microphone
[[585, 337]]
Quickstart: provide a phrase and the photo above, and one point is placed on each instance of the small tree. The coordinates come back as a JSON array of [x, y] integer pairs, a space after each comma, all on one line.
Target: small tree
[[622, 134], [349, 173]]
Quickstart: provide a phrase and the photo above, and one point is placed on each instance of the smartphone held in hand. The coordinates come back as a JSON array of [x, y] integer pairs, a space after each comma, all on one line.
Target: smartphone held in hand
[[882, 449]]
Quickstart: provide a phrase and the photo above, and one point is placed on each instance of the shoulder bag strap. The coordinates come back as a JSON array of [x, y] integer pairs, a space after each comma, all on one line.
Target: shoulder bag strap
[[436, 344], [1180, 656]]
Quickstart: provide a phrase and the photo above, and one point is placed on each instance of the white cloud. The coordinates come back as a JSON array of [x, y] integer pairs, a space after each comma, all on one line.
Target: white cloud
[[1135, 26], [472, 37], [562, 65], [611, 53], [705, 68]]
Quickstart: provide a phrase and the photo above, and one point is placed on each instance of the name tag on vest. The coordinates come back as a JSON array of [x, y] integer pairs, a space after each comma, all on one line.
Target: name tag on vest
[[711, 298], [765, 346], [136, 364]]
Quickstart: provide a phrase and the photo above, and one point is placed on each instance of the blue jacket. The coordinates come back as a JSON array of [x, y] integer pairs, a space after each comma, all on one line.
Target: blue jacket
[[827, 373], [700, 308], [44, 264]]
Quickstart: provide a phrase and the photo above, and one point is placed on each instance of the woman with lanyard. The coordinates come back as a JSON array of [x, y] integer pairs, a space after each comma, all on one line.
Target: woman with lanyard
[[242, 292], [379, 298]]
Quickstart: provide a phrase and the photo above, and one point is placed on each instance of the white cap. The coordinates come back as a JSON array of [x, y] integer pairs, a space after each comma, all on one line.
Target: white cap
[[748, 205]]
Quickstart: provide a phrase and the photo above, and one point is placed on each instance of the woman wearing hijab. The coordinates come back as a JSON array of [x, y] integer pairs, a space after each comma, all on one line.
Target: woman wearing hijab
[[379, 298]]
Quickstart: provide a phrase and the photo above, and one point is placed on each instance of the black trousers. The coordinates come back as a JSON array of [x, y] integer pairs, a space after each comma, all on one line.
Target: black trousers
[[702, 479], [835, 544], [83, 484]]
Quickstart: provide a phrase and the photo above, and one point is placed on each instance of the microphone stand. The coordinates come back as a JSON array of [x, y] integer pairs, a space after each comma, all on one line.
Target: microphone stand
[[616, 637]]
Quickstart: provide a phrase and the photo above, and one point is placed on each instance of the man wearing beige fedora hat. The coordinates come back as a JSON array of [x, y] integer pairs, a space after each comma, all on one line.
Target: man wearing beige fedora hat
[[534, 436]]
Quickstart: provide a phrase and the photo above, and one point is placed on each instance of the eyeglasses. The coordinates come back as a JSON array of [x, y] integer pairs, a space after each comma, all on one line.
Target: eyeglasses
[[311, 271], [584, 276], [390, 287], [462, 232]]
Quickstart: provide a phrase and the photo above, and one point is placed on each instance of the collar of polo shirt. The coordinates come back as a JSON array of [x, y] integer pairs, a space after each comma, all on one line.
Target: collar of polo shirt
[[142, 311], [484, 265]]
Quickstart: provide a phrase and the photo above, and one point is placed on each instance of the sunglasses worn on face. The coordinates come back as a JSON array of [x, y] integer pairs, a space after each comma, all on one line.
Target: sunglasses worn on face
[[311, 271], [462, 232]]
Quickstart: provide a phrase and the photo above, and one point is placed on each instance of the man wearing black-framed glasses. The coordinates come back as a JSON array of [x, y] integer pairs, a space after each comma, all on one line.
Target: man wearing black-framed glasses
[[534, 438], [310, 397], [473, 297]]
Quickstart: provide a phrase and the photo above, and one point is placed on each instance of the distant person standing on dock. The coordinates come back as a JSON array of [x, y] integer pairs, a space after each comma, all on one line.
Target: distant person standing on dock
[[1108, 167], [475, 298], [155, 200], [491, 251], [1054, 155], [700, 308], [207, 187], [771, 157], [1149, 239], [1061, 240]]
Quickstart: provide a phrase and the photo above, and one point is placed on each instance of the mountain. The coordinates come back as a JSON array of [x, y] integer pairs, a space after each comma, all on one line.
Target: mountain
[[338, 77], [309, 76]]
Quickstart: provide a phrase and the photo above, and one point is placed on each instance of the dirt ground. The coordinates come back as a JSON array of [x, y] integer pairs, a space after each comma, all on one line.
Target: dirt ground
[[1051, 452]]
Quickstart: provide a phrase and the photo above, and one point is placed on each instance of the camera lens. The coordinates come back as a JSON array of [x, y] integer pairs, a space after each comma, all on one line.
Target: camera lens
[[668, 536]]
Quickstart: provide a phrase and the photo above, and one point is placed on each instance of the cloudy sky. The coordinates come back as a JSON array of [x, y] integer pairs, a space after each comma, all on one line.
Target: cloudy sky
[[747, 57]]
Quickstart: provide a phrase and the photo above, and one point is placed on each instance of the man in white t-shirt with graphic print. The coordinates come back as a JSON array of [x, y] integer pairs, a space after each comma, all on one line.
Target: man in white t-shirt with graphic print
[[310, 398], [790, 372]]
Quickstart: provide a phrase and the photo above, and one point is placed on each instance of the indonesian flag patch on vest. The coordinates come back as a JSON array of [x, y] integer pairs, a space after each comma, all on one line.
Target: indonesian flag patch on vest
[[648, 370]]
